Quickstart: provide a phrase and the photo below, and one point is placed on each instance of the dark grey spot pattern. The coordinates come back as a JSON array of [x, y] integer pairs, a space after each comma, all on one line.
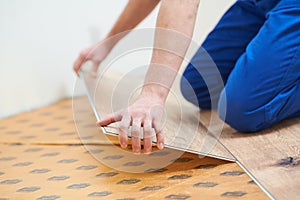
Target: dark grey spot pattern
[[7, 158], [99, 194], [151, 188], [28, 189], [51, 197], [94, 151], [16, 144], [13, 132], [127, 199], [28, 137], [52, 129], [10, 181], [181, 176], [113, 157], [60, 117], [233, 194], [129, 181], [178, 196], [67, 133], [22, 121], [156, 170], [3, 198], [108, 174], [22, 164], [58, 178], [33, 149], [251, 182], [134, 164], [232, 173], [1, 173], [87, 137], [208, 166], [39, 171], [66, 161], [50, 154], [89, 125], [78, 186], [46, 113], [159, 153], [205, 184], [37, 125], [183, 160], [88, 167]]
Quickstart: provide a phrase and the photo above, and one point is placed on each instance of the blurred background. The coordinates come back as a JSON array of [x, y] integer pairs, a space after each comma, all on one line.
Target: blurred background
[[40, 39]]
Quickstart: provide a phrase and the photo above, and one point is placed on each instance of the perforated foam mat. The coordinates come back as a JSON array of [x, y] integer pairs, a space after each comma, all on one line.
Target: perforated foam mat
[[41, 157]]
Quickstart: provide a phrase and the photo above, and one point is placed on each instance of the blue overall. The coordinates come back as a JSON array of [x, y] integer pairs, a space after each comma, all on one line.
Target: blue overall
[[256, 48]]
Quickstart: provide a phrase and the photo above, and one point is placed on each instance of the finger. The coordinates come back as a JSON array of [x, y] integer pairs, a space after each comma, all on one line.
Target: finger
[[159, 135], [79, 61], [147, 127], [135, 136], [111, 118], [123, 130]]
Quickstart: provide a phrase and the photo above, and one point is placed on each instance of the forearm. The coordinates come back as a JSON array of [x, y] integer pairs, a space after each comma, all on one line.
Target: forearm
[[134, 12], [175, 26]]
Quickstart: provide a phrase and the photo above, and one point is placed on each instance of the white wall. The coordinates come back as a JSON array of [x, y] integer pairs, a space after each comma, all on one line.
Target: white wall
[[39, 40]]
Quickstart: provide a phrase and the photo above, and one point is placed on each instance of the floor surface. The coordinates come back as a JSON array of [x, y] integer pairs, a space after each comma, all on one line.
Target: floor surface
[[42, 157]]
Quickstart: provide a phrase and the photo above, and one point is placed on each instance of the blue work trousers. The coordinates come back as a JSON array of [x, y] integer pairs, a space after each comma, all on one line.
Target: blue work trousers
[[256, 49]]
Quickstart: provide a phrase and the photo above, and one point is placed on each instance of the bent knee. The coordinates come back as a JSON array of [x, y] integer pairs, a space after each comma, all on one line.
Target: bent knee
[[194, 89], [236, 112]]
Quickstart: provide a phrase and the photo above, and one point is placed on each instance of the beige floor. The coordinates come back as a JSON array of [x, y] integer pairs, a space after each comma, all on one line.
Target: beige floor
[[42, 157]]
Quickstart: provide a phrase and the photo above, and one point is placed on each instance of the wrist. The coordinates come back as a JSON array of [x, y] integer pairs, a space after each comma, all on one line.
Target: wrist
[[159, 93]]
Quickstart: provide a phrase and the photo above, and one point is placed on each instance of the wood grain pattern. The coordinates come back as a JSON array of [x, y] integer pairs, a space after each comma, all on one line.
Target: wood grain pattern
[[271, 156]]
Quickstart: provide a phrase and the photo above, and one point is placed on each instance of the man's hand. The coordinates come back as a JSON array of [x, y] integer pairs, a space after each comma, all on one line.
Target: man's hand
[[134, 12], [146, 113], [96, 53]]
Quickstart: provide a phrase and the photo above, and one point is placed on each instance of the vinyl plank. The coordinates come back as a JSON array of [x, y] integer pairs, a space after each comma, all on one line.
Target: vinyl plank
[[111, 92]]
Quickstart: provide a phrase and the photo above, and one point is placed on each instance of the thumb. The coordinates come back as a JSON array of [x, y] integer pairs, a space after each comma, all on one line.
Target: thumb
[[111, 118]]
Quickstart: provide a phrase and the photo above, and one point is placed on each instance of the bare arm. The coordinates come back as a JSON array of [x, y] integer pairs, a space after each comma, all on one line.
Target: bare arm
[[177, 16], [134, 12], [170, 47]]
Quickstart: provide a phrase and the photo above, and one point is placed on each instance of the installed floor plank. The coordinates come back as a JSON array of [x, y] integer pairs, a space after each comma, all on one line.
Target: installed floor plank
[[271, 156]]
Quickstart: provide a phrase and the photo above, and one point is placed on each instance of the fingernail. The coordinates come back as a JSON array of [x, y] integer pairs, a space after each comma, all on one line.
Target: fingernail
[[160, 145], [137, 153], [123, 145], [147, 152]]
